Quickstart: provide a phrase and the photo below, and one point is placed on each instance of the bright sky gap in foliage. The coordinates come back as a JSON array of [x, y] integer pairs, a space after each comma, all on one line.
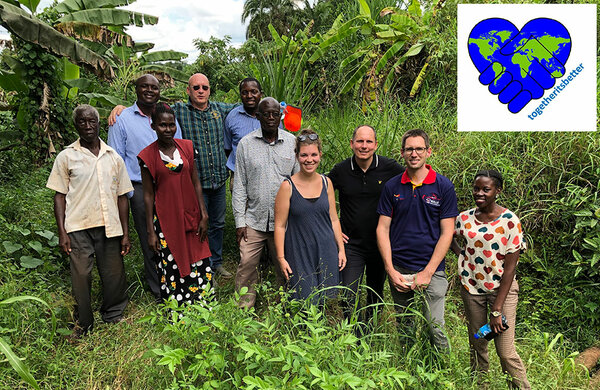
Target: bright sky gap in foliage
[[181, 22]]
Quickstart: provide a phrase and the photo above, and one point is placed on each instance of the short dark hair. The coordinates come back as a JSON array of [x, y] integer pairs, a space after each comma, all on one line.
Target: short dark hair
[[148, 75], [492, 174], [415, 133], [250, 80], [307, 141], [359, 126], [161, 108]]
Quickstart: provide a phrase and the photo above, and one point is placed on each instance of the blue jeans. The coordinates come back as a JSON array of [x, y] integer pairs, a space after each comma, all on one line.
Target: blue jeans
[[215, 200]]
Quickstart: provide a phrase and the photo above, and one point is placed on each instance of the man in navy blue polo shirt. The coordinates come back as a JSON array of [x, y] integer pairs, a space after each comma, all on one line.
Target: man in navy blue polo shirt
[[416, 219], [359, 181]]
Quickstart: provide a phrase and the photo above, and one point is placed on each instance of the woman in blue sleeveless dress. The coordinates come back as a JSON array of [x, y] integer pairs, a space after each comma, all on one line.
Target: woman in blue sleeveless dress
[[308, 236]]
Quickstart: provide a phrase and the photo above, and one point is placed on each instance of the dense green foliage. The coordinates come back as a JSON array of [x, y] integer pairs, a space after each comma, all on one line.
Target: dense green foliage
[[551, 183]]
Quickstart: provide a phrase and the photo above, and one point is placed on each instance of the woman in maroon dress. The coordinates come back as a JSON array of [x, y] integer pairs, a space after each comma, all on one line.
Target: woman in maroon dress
[[175, 208]]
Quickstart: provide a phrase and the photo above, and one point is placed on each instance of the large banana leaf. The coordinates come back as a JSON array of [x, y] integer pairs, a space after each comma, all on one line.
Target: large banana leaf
[[31, 4], [109, 17], [31, 29], [78, 83], [160, 68], [142, 46], [68, 6], [105, 100], [10, 81], [164, 55], [94, 33], [342, 32]]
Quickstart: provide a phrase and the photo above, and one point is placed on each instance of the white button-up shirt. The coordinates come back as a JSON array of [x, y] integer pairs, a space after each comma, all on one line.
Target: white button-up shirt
[[92, 185], [260, 167]]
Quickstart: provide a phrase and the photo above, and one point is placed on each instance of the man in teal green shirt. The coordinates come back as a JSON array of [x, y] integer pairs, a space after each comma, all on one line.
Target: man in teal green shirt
[[203, 122]]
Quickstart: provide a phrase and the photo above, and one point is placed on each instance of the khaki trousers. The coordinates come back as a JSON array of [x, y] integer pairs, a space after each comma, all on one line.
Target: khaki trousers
[[247, 274], [477, 309]]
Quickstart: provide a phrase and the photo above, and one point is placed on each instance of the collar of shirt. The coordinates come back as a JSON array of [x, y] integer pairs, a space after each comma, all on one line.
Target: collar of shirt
[[77, 146], [243, 111], [136, 110], [192, 108], [429, 179], [259, 134], [374, 163]]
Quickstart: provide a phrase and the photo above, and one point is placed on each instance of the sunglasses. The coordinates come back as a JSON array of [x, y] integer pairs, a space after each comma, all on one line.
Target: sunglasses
[[204, 87], [304, 137]]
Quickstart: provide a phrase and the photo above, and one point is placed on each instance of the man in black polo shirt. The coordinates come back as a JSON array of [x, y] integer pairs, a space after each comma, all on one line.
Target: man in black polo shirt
[[359, 180]]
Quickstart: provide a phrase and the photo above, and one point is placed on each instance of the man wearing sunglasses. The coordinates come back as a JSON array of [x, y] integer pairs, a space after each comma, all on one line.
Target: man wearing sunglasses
[[359, 181], [203, 122], [416, 224], [263, 159]]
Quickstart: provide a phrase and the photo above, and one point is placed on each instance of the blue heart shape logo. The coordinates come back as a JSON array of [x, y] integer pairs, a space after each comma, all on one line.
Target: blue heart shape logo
[[518, 65]]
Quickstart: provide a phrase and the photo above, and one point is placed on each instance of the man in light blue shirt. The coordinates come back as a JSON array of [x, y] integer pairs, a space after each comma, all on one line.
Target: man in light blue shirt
[[128, 136], [241, 120]]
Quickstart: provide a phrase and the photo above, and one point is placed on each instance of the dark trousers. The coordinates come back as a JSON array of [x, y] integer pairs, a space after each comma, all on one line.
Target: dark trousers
[[138, 212], [359, 261], [85, 245]]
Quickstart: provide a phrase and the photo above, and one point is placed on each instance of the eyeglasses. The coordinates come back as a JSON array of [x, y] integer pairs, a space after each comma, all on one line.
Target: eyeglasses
[[270, 114], [304, 137], [410, 150], [204, 87]]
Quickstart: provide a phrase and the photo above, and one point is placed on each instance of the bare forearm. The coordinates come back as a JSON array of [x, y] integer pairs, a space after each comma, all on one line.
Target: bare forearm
[[510, 268], [455, 247], [123, 205], [60, 205], [199, 194], [385, 248], [337, 232], [279, 238], [439, 252]]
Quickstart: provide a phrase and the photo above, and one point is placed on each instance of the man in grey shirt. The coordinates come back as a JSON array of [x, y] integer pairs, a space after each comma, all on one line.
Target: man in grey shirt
[[263, 159]]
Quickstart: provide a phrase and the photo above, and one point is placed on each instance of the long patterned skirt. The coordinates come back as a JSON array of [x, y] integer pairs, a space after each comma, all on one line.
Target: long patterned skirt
[[194, 288]]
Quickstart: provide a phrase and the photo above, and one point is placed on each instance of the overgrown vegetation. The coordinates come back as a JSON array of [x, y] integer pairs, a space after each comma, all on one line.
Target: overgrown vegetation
[[551, 181]]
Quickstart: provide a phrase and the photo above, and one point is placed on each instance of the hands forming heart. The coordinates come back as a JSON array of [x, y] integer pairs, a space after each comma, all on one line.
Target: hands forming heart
[[520, 65]]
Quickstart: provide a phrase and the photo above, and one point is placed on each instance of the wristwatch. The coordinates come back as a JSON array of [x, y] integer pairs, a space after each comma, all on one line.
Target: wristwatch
[[496, 314]]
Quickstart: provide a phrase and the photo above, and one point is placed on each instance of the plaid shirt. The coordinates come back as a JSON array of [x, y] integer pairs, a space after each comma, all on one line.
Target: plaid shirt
[[206, 130]]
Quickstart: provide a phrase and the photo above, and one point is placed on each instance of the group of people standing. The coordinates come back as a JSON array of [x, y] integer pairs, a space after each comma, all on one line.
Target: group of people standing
[[170, 164]]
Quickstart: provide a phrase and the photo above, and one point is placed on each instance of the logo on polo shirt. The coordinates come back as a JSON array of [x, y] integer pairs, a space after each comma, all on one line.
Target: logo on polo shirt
[[432, 199], [399, 196]]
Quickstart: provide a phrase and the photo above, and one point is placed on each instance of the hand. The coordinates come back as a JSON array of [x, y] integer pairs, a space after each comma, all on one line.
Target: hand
[[125, 245], [112, 118], [496, 324], [64, 242], [397, 281], [285, 267], [154, 242], [341, 260], [240, 233], [422, 280], [345, 238], [202, 229]]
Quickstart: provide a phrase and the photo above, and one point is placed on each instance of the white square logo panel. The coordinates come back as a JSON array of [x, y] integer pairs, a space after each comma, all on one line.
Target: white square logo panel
[[527, 67]]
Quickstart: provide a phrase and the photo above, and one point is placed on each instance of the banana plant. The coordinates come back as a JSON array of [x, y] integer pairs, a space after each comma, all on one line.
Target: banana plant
[[382, 48], [31, 29]]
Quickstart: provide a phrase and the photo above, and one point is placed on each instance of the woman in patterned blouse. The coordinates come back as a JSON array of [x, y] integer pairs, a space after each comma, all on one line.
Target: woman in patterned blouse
[[487, 261]]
